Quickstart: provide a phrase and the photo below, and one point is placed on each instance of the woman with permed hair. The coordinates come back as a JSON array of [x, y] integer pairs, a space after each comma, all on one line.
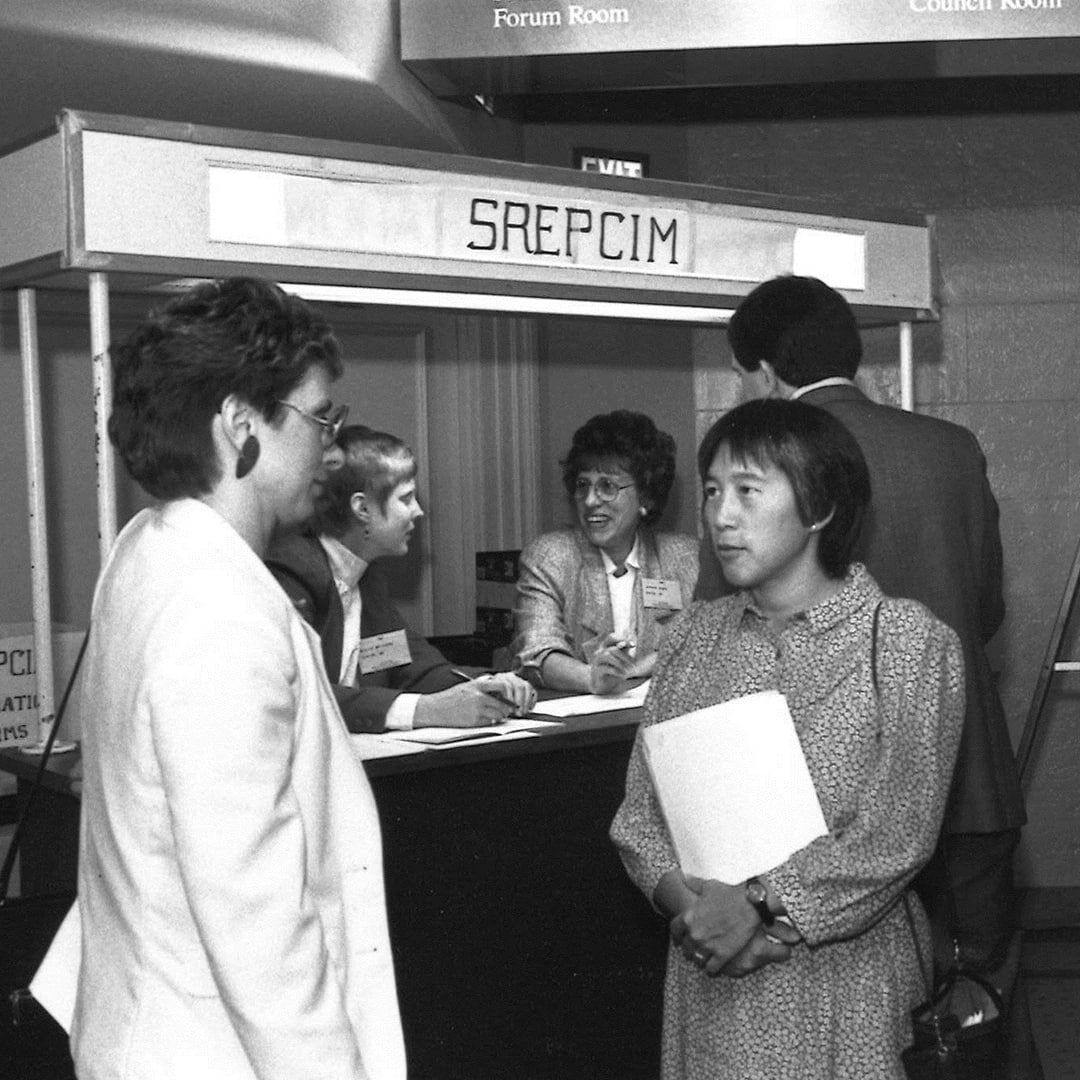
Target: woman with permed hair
[[230, 861], [593, 599]]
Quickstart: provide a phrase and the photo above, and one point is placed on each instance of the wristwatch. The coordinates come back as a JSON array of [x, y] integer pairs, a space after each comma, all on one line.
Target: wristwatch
[[757, 894]]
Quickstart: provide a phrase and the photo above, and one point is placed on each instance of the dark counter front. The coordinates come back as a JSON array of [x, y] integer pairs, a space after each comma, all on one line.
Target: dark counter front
[[522, 950]]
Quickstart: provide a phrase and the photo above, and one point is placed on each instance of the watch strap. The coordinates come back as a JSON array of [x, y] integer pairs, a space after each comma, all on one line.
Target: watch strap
[[756, 894]]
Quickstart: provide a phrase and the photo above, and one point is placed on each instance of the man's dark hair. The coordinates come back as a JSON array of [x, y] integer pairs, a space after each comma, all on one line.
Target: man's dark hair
[[802, 327]]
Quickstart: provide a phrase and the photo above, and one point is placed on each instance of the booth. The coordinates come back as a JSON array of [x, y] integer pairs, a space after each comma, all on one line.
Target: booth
[[521, 947]]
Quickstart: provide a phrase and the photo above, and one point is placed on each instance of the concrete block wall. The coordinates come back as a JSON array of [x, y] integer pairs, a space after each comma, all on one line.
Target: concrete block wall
[[1004, 360]]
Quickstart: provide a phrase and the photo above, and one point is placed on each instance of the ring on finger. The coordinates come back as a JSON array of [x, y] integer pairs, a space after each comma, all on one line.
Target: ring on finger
[[701, 958]]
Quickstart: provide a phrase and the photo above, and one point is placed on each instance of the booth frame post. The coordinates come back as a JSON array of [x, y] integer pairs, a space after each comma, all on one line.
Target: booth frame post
[[907, 367], [35, 489], [102, 380]]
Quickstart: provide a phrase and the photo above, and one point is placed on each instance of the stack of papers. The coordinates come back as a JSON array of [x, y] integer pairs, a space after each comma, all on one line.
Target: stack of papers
[[733, 787], [397, 743], [583, 704]]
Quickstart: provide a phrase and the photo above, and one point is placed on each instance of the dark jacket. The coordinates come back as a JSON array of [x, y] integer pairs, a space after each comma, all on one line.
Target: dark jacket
[[301, 566], [932, 535]]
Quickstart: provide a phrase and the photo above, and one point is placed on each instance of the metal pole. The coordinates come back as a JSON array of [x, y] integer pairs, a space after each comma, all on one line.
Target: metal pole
[[907, 368], [35, 489], [103, 449]]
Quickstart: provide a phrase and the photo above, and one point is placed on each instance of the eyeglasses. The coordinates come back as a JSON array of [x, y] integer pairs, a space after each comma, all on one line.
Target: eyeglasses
[[330, 425], [607, 490]]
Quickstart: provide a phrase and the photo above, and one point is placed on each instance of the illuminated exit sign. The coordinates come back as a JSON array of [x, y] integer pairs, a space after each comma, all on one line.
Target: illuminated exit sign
[[611, 163]]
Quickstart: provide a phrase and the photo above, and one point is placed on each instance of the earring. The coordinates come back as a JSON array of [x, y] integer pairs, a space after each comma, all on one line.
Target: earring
[[249, 454], [642, 511]]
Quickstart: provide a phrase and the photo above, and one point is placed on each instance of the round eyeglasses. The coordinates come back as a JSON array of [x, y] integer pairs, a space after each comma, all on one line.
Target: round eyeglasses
[[607, 490], [330, 425]]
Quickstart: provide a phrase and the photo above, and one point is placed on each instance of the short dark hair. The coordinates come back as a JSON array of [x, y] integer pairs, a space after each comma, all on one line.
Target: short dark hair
[[817, 454], [636, 443], [805, 329], [375, 463], [241, 336]]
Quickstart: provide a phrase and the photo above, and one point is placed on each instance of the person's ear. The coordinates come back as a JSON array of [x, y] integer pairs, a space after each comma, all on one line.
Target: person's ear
[[360, 506], [817, 526], [237, 417], [236, 421], [770, 379]]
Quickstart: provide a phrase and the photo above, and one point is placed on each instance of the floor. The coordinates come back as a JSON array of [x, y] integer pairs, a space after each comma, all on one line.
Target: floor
[[1051, 965]]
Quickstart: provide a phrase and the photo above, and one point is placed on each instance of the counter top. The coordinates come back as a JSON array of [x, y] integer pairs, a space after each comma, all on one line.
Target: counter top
[[575, 731]]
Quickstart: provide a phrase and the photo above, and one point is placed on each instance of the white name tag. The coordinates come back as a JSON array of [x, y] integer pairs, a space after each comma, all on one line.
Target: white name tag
[[382, 651], [661, 593]]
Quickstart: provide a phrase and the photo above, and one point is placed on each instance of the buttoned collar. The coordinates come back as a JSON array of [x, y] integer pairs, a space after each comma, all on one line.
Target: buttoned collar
[[859, 590], [633, 560]]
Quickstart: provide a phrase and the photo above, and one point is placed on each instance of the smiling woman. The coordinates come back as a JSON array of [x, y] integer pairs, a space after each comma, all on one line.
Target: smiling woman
[[593, 600]]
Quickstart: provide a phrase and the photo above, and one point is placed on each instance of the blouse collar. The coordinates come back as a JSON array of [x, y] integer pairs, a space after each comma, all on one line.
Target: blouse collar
[[858, 591]]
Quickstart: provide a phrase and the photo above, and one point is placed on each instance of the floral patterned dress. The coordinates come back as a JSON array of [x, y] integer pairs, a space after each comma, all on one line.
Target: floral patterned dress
[[881, 754]]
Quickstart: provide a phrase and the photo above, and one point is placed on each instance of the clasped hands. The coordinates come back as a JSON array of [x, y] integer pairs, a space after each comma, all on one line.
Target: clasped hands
[[720, 932], [614, 666]]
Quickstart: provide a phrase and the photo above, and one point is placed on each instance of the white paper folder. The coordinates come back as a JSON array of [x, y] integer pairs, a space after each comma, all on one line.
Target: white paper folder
[[733, 787]]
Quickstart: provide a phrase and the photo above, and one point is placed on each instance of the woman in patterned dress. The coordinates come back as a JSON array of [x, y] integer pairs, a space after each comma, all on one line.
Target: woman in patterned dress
[[875, 687]]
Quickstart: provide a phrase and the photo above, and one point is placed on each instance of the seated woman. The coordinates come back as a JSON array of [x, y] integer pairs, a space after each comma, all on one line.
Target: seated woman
[[384, 674], [875, 688], [593, 601]]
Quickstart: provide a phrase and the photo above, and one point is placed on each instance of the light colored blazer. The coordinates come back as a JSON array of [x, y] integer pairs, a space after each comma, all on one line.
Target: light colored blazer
[[563, 603], [230, 865]]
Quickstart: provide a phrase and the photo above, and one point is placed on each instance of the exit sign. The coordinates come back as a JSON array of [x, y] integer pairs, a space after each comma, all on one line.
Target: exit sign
[[611, 162]]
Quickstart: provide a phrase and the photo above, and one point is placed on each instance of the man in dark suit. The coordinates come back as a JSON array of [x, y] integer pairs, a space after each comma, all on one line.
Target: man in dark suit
[[932, 535]]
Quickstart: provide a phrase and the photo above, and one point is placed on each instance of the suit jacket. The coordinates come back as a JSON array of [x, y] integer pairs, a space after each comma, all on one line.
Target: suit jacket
[[932, 535], [299, 563], [230, 865], [563, 602]]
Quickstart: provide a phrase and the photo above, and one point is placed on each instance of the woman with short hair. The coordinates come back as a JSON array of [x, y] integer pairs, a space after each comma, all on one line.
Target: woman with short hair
[[812, 969], [593, 599], [386, 676], [230, 866]]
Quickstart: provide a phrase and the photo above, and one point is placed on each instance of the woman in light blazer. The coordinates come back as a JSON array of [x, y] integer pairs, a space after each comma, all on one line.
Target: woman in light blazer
[[230, 869], [593, 600]]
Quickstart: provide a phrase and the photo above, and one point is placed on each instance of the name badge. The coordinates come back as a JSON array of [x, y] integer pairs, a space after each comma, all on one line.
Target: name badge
[[382, 651], [661, 593]]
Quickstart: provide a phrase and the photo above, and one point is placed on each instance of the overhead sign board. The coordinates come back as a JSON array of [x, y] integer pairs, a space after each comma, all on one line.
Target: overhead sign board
[[510, 28], [495, 48]]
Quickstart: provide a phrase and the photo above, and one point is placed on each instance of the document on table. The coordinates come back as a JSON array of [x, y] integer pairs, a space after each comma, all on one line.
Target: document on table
[[582, 704], [434, 737], [733, 787], [365, 747]]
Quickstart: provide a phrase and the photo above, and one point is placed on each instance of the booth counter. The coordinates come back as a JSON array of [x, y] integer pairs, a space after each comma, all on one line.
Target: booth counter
[[521, 948]]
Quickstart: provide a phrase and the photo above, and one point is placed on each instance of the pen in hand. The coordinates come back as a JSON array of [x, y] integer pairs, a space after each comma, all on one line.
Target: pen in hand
[[490, 693]]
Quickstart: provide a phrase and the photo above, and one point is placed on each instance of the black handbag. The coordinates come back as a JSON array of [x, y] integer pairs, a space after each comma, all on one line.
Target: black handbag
[[945, 1050], [33, 1046]]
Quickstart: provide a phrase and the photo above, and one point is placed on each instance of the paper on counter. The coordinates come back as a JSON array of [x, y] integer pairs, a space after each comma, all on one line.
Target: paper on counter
[[365, 747], [734, 787], [583, 704], [444, 736]]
